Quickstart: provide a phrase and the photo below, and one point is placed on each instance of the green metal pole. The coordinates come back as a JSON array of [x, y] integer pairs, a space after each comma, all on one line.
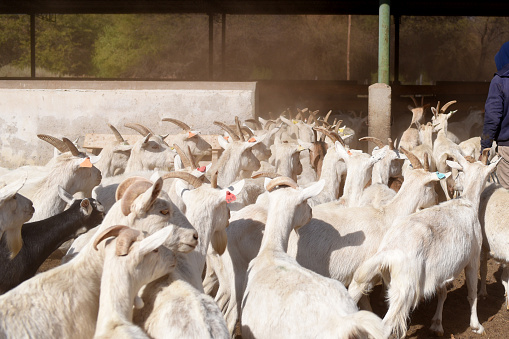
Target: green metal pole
[[384, 21]]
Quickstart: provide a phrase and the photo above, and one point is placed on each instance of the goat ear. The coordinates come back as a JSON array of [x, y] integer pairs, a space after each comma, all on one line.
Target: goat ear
[[222, 142], [379, 155], [312, 190], [494, 164], [122, 148], [146, 139], [237, 187], [85, 204], [155, 240], [95, 159], [341, 150], [7, 192], [150, 196], [177, 162], [454, 164], [65, 196], [13, 240], [219, 241]]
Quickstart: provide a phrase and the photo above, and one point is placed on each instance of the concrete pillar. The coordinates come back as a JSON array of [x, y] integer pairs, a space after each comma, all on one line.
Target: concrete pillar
[[379, 112]]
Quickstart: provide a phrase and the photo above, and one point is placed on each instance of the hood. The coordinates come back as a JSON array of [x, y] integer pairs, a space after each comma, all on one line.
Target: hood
[[502, 57]]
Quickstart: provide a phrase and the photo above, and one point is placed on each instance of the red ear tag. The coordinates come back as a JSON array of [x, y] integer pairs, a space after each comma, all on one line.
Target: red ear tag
[[349, 153], [191, 134], [86, 163], [226, 137], [202, 169], [252, 140], [230, 197]]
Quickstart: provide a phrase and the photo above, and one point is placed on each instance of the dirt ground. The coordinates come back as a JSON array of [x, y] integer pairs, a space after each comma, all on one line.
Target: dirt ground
[[492, 311]]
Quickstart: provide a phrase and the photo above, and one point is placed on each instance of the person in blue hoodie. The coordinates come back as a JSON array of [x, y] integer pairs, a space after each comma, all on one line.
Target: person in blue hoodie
[[496, 117]]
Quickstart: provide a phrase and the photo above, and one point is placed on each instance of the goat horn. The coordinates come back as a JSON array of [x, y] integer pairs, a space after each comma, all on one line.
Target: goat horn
[[437, 108], [484, 156], [125, 238], [55, 142], [426, 162], [281, 181], [148, 130], [271, 175], [191, 179], [116, 133], [179, 123], [239, 129], [416, 163], [298, 116], [213, 180], [228, 130], [257, 123], [124, 185], [137, 188], [331, 134], [374, 140], [71, 146], [247, 131], [137, 128], [191, 158], [327, 116], [183, 156], [415, 101], [390, 143], [446, 106]]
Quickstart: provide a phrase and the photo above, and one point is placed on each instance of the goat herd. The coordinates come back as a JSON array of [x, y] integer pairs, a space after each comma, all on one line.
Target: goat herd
[[284, 236]]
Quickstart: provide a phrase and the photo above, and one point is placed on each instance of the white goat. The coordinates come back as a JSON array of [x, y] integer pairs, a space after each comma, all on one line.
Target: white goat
[[60, 303], [283, 299], [114, 156], [493, 216], [423, 252], [182, 292], [15, 210], [128, 265], [192, 139]]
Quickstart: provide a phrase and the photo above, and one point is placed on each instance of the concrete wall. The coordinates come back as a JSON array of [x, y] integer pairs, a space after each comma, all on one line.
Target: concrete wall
[[73, 108]]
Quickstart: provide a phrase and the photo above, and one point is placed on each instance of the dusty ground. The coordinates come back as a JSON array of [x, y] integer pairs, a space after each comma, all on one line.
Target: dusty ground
[[492, 311]]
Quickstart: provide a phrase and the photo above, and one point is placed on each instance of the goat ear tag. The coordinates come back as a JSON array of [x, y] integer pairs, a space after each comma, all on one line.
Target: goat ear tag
[[440, 175], [230, 197], [349, 153], [202, 169], [191, 134], [86, 163], [252, 140]]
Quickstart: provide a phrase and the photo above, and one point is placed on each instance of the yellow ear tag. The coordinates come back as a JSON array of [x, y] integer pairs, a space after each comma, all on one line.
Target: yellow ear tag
[[294, 121], [300, 148], [341, 130], [252, 140], [86, 163], [191, 134]]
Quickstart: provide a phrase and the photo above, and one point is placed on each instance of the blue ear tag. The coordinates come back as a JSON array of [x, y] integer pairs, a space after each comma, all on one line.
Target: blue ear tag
[[440, 175]]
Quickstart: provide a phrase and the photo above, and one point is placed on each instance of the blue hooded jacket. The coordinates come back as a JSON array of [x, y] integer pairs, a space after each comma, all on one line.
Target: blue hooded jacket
[[496, 117]]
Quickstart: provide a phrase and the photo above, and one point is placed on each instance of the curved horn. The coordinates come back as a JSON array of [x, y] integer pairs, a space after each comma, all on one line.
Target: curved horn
[[281, 181], [117, 134], [425, 164], [327, 116], [332, 135], [415, 101], [136, 189], [239, 129], [484, 156], [374, 140], [179, 123], [125, 238], [191, 158], [255, 122], [71, 146], [55, 142], [137, 128], [228, 130], [191, 179], [416, 163], [124, 185], [247, 131], [183, 157], [112, 231], [446, 106], [271, 175]]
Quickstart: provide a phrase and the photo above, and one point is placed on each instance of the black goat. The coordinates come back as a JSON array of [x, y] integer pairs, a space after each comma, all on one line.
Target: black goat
[[41, 238]]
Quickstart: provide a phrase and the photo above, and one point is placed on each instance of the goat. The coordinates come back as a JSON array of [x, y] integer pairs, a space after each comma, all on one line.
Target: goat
[[15, 209], [459, 131], [283, 299], [127, 267], [62, 302], [424, 251], [43, 237], [73, 171], [192, 139], [182, 292], [114, 156]]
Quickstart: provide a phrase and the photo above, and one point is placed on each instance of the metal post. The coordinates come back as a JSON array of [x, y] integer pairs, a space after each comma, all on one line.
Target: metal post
[[384, 20], [32, 45], [211, 46], [397, 22], [348, 47], [223, 45]]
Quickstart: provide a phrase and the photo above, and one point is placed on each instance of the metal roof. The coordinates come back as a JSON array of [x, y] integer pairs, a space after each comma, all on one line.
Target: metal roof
[[358, 7]]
